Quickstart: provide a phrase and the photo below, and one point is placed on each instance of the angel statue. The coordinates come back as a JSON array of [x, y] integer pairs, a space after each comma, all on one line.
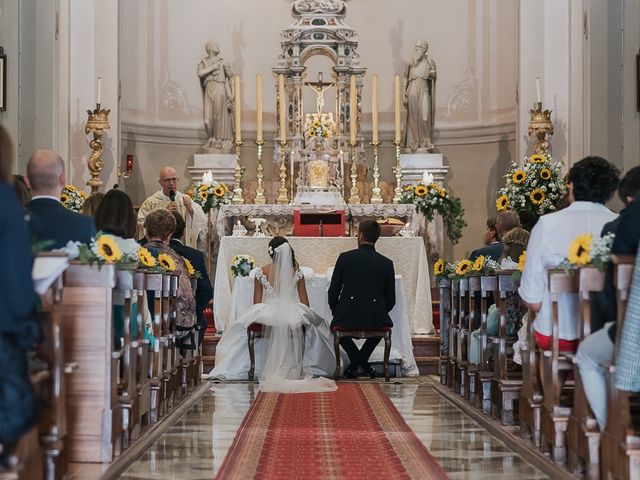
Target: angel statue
[[419, 100], [217, 97]]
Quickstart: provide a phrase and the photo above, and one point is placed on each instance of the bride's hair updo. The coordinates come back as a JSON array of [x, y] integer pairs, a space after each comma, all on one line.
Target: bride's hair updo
[[275, 243]]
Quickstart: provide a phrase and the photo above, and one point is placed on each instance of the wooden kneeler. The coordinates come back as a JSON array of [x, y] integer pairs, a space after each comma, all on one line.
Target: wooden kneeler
[[445, 328]]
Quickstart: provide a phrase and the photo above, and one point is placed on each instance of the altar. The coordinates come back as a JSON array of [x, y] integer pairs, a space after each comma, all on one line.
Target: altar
[[319, 255]]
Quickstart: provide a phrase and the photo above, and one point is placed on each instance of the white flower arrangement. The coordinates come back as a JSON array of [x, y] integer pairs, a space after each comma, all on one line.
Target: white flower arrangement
[[242, 265], [210, 195]]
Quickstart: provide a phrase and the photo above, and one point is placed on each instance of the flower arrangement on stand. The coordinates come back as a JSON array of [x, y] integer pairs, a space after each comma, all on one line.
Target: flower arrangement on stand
[[72, 198], [585, 251], [241, 265], [535, 189], [319, 126], [210, 195], [430, 198]]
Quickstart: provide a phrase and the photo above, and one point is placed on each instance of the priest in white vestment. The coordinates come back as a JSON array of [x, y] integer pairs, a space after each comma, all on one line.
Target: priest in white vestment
[[195, 233]]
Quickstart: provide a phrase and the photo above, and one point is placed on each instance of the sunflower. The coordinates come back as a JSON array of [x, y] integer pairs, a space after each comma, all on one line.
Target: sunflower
[[522, 260], [580, 250], [83, 194], [108, 249], [502, 203], [420, 190], [438, 267], [478, 264], [518, 177], [537, 196], [315, 124], [190, 270], [224, 185], [311, 133], [219, 191], [64, 198], [203, 187], [408, 188], [438, 189], [537, 158], [166, 262], [463, 267], [545, 174], [71, 188], [145, 257], [204, 195]]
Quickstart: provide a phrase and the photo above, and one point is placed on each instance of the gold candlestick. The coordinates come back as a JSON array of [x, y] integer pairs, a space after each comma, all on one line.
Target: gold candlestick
[[282, 191], [541, 126], [354, 196], [237, 199], [97, 123], [260, 198], [376, 191], [397, 171]]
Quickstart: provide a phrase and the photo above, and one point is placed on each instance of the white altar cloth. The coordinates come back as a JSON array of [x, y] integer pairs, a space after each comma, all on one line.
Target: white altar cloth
[[320, 253], [317, 285]]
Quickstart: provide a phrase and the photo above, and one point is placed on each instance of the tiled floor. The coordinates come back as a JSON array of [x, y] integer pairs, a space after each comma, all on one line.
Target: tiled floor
[[195, 446]]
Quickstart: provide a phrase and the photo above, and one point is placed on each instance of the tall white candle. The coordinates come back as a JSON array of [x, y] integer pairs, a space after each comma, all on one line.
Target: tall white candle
[[99, 94], [397, 106], [259, 107], [283, 109], [538, 89], [374, 108], [238, 106], [353, 110]]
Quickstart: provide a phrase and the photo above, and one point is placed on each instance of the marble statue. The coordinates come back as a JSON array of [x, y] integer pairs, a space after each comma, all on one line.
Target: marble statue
[[216, 80], [419, 100]]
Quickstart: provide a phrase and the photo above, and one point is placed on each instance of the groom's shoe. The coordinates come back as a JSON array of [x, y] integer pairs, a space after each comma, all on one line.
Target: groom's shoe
[[350, 372], [369, 370]]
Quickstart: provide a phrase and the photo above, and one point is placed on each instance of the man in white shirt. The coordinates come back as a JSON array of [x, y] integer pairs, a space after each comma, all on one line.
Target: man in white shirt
[[592, 182], [170, 198]]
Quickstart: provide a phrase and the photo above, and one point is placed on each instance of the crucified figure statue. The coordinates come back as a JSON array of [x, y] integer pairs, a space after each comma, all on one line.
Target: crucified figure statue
[[319, 87]]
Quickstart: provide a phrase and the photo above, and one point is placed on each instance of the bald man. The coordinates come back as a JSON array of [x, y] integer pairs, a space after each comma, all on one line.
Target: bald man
[[195, 218], [50, 220]]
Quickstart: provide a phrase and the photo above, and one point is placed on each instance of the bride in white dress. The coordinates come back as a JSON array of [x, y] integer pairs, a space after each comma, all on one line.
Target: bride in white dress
[[283, 362]]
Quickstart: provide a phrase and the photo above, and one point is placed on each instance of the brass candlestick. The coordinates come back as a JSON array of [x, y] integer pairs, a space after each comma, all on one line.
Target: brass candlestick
[[376, 191], [397, 171], [282, 191], [97, 123], [237, 199], [260, 198], [541, 126], [354, 195]]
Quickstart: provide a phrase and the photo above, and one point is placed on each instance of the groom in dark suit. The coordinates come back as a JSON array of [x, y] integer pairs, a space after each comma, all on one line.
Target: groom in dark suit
[[361, 295]]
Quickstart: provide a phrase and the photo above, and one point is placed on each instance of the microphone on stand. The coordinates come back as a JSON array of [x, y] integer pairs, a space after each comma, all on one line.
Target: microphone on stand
[[172, 195]]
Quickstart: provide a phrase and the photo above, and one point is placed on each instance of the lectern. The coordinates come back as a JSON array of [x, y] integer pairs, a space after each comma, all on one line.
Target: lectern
[[313, 223]]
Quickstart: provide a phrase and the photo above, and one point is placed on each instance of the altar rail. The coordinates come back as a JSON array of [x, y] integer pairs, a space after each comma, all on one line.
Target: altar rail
[[552, 414], [98, 399]]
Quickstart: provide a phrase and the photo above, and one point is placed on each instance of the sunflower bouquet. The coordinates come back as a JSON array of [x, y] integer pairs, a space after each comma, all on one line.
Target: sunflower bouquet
[[585, 251], [72, 198], [430, 199], [242, 264], [102, 249], [484, 266], [443, 269], [210, 195], [193, 273], [537, 187], [319, 126]]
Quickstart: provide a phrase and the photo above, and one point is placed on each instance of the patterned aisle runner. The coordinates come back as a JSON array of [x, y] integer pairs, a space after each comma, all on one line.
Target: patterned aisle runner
[[352, 433]]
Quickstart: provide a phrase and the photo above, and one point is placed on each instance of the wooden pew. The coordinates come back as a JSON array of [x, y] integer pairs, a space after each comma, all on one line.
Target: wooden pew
[[620, 441], [143, 372], [154, 285], [557, 393], [472, 369], [530, 398], [505, 383], [488, 285], [462, 331], [445, 327], [453, 334], [94, 415], [583, 434]]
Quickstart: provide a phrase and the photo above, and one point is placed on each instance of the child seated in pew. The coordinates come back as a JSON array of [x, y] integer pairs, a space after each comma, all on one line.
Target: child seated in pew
[[515, 243]]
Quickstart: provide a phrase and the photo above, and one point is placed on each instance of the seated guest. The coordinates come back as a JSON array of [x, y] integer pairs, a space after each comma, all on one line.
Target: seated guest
[[515, 242], [592, 182], [204, 292], [505, 221], [91, 204], [160, 225], [21, 189], [19, 330], [45, 176], [490, 239]]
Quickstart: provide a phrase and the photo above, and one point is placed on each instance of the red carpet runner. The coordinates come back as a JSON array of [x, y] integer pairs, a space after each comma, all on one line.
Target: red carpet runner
[[355, 432]]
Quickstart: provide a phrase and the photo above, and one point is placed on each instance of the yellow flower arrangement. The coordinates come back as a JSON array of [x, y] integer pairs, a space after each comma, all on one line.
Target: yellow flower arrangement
[[108, 249], [518, 177], [463, 267], [438, 189], [580, 250], [478, 264], [438, 267], [545, 174], [166, 262], [537, 196], [537, 158], [190, 270], [421, 190], [522, 260], [219, 191], [502, 203], [145, 257]]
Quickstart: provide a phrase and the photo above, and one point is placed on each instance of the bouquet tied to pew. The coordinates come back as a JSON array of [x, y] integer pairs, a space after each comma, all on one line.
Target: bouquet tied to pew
[[584, 251]]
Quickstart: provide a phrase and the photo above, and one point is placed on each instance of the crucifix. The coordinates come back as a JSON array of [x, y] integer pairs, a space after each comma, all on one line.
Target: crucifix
[[319, 87]]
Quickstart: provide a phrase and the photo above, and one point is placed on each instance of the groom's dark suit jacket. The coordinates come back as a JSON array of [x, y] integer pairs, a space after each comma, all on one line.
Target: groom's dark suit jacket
[[362, 290]]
